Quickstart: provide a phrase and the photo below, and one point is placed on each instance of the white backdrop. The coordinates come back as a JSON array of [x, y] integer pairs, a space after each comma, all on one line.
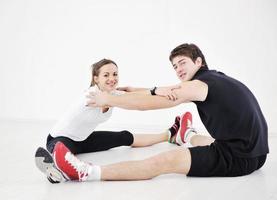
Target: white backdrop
[[46, 48]]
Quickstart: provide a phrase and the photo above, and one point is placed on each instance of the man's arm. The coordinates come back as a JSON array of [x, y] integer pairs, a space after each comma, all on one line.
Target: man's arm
[[189, 91], [195, 90], [139, 101], [164, 91]]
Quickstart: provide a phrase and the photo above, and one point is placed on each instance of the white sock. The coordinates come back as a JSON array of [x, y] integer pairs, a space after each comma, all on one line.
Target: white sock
[[94, 173]]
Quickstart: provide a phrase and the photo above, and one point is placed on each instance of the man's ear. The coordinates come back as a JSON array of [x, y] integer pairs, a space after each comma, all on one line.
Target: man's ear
[[198, 61]]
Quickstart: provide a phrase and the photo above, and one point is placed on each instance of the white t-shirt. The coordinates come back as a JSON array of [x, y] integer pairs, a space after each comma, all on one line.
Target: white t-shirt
[[81, 120]]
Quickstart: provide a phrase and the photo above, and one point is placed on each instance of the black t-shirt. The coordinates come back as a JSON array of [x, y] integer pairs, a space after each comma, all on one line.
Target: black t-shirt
[[232, 115]]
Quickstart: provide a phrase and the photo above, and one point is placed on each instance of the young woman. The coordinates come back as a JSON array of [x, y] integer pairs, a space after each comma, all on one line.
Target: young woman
[[76, 128]]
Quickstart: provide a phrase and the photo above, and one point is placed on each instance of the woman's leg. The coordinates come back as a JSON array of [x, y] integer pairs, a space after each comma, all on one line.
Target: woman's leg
[[143, 140], [104, 140], [69, 143]]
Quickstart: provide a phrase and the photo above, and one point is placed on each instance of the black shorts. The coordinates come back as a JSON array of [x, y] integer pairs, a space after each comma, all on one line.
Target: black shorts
[[96, 141], [207, 161]]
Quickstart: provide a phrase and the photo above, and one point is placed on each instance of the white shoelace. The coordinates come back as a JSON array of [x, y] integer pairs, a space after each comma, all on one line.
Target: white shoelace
[[81, 167]]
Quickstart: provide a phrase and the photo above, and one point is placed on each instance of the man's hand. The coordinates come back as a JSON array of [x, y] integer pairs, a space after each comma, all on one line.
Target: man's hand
[[168, 92], [97, 99]]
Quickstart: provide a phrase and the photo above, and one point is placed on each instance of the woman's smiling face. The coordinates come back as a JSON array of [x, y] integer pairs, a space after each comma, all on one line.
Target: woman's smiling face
[[107, 79]]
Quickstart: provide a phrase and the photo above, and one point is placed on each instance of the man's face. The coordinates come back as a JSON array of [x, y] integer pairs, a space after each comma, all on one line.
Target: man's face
[[185, 68]]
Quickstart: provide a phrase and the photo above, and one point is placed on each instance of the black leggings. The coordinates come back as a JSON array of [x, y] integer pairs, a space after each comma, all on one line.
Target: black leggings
[[96, 141]]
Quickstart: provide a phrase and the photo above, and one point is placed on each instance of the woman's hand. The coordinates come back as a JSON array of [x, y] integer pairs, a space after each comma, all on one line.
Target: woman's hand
[[168, 92], [132, 89], [125, 89], [97, 99]]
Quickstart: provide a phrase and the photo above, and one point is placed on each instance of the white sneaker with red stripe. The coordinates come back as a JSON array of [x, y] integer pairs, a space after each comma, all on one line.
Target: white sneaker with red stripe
[[69, 164], [185, 129]]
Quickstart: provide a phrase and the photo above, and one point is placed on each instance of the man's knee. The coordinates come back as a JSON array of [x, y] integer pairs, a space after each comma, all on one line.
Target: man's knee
[[181, 158], [174, 161]]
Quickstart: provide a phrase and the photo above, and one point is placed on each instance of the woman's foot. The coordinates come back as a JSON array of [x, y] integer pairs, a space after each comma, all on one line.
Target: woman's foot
[[46, 165], [173, 130]]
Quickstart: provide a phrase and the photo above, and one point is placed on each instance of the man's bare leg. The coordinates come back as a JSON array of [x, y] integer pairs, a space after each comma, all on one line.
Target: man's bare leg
[[174, 161], [201, 140]]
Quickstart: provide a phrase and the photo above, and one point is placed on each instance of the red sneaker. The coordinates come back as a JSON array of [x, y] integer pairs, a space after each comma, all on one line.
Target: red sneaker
[[185, 128], [69, 164]]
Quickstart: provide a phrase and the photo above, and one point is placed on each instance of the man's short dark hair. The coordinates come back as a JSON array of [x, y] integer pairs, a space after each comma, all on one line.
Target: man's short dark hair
[[190, 50]]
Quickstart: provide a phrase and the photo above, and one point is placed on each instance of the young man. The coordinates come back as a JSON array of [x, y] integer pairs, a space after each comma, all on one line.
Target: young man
[[227, 108]]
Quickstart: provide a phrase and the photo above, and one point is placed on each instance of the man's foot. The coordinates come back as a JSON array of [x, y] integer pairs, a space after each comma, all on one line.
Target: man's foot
[[69, 164], [174, 130], [45, 164], [185, 129]]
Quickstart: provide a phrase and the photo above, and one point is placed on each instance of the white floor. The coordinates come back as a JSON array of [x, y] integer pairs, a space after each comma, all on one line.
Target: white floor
[[21, 180]]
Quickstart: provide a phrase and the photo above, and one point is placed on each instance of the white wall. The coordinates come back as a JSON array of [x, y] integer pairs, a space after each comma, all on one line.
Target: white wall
[[46, 48]]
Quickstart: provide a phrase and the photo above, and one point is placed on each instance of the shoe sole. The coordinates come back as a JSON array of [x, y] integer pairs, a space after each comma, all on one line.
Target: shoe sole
[[46, 165], [43, 160]]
